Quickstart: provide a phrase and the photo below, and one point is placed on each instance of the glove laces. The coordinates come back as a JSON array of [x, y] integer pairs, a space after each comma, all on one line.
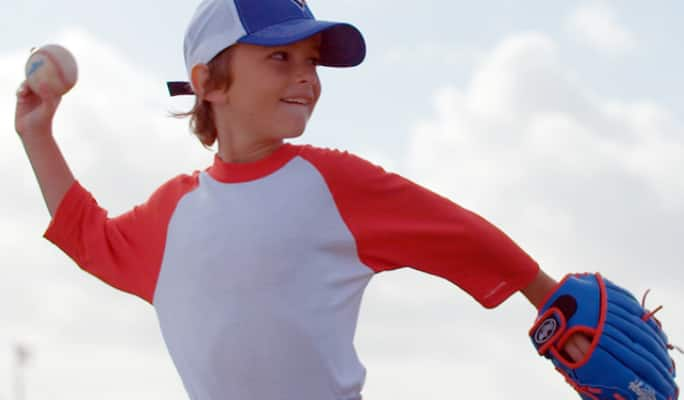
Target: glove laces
[[651, 314]]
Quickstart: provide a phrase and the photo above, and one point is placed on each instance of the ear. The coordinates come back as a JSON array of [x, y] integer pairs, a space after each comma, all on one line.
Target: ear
[[199, 77]]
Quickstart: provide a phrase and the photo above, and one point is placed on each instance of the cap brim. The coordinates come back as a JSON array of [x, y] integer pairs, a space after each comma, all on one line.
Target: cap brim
[[342, 44]]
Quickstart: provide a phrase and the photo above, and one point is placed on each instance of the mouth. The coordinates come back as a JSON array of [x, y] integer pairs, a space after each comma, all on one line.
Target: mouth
[[302, 101]]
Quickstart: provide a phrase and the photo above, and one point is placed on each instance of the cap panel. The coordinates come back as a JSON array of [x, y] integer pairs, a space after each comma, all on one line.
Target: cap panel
[[286, 32], [215, 26], [257, 15]]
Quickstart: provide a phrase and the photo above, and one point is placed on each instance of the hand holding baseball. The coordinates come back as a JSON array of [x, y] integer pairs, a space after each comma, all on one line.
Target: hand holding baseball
[[53, 66], [51, 72]]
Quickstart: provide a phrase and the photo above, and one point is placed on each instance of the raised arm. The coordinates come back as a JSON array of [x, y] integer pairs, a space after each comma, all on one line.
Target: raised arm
[[33, 122]]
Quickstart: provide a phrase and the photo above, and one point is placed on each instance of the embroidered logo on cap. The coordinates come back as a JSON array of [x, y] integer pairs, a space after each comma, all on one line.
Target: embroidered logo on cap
[[300, 3]]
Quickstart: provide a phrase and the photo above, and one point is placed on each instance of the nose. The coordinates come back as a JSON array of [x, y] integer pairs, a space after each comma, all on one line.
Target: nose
[[306, 73]]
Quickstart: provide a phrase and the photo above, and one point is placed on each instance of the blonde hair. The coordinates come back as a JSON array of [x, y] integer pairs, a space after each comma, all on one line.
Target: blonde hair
[[201, 115]]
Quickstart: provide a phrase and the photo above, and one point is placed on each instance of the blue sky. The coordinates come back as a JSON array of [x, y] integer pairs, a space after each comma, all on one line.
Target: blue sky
[[561, 123]]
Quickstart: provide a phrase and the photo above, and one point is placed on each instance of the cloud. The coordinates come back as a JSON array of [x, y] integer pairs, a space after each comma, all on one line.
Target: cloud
[[582, 182], [114, 131], [421, 337], [597, 26], [530, 146]]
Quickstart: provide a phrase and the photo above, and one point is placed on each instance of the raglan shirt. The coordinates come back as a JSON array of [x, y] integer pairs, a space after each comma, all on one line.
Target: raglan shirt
[[256, 271]]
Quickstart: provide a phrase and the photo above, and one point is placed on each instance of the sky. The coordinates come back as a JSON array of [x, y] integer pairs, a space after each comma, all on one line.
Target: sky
[[559, 123]]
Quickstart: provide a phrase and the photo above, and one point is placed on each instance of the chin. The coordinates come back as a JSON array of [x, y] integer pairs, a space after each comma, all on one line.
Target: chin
[[291, 121], [296, 133], [291, 131]]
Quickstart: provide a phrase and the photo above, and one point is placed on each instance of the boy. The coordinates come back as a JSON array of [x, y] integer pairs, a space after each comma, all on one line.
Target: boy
[[256, 265]]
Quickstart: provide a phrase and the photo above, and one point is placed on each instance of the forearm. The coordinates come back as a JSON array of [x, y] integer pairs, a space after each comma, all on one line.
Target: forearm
[[51, 170], [540, 287]]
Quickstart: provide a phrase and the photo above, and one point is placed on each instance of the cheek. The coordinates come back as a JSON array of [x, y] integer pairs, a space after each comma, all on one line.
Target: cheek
[[254, 101], [255, 89]]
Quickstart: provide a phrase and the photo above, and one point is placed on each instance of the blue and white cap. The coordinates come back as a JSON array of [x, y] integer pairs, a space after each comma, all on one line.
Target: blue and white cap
[[218, 24]]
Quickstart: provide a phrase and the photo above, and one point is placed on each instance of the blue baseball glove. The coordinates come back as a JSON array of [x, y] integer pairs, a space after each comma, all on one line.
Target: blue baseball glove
[[629, 355]]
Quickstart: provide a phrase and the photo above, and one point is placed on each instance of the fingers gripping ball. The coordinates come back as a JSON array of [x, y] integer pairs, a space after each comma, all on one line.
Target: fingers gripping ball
[[629, 355], [54, 66]]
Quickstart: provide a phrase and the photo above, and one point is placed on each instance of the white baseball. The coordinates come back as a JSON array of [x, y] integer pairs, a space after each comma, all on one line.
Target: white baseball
[[54, 66]]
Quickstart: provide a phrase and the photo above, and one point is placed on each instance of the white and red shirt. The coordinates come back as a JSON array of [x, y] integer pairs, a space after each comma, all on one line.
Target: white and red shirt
[[256, 271]]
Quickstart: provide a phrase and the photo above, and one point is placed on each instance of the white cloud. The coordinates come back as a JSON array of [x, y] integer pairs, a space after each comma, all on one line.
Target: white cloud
[[596, 25], [582, 182], [525, 110], [421, 337], [527, 144], [113, 129]]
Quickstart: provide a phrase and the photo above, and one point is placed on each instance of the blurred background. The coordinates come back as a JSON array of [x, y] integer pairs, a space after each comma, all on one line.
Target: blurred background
[[560, 123]]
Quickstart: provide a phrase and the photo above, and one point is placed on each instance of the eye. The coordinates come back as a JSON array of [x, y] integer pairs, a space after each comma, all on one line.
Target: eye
[[279, 55], [315, 60]]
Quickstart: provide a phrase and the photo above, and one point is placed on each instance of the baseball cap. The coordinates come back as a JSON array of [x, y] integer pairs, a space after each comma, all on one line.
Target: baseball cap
[[218, 24]]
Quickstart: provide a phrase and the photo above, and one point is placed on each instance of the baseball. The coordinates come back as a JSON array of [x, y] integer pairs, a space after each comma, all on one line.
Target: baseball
[[54, 66]]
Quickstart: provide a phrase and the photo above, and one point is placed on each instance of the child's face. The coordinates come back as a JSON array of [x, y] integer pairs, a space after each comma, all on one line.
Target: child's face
[[274, 89]]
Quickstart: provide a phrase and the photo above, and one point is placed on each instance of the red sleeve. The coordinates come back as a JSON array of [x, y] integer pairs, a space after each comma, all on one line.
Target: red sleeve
[[126, 251], [397, 223]]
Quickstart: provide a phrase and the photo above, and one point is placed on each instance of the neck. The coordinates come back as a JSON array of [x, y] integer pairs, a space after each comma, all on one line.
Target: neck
[[238, 143], [233, 151]]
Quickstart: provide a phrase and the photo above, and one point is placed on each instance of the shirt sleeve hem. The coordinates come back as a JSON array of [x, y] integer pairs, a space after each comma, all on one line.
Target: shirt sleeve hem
[[501, 293], [60, 220]]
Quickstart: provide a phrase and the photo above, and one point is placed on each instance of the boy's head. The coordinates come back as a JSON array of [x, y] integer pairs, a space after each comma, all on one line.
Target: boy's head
[[219, 26]]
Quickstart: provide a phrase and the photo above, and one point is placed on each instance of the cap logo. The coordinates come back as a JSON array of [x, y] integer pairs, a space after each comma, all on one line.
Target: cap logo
[[300, 3]]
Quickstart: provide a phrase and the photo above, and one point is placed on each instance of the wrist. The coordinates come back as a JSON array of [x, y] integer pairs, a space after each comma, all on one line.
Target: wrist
[[538, 290], [35, 136]]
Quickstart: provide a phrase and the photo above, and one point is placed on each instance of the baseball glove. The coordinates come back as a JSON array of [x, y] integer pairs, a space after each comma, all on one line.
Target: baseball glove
[[629, 355]]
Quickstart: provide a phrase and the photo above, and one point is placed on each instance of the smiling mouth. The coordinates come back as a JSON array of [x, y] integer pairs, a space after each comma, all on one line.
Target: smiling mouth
[[297, 100]]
